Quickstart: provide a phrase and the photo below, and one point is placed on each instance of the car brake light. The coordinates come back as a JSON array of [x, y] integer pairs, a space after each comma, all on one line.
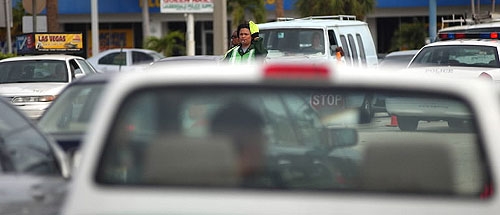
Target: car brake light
[[486, 76], [297, 71]]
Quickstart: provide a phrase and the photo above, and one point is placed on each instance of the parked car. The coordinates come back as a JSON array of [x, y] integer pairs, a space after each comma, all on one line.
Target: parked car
[[31, 83], [67, 118], [124, 60], [34, 170], [397, 60], [254, 142]]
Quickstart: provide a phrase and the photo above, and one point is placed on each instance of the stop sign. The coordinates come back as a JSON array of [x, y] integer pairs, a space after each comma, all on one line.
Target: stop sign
[[39, 6], [320, 101]]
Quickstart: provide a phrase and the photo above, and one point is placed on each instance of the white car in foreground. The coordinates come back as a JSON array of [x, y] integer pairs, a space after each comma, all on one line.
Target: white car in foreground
[[31, 83], [249, 140]]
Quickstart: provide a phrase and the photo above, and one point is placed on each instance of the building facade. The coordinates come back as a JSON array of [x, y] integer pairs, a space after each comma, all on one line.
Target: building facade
[[120, 22]]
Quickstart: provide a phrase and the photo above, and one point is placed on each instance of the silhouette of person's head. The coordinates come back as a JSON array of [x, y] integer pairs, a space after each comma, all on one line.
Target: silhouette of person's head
[[245, 127]]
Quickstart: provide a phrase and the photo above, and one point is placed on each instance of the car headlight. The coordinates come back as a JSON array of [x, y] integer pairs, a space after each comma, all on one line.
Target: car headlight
[[25, 99]]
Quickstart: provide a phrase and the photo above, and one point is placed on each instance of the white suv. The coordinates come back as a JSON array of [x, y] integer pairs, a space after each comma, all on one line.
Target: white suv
[[294, 39]]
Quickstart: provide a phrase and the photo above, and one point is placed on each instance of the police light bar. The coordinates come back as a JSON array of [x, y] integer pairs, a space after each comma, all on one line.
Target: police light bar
[[468, 35]]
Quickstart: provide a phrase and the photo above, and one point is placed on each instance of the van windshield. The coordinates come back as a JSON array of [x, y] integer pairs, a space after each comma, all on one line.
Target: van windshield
[[293, 42]]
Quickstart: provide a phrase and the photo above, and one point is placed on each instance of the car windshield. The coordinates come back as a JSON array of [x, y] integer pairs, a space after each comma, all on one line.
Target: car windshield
[[27, 71], [71, 112], [290, 42], [294, 139], [457, 55], [22, 147]]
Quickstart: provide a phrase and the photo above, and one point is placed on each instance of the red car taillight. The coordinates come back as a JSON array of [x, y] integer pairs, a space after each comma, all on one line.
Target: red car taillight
[[485, 75]]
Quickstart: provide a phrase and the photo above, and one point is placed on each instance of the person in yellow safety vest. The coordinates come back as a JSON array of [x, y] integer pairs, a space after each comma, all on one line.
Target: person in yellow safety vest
[[251, 46]]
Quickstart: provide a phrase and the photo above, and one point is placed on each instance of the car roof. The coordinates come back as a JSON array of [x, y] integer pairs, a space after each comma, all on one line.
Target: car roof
[[189, 58], [492, 24], [253, 74], [42, 57], [402, 53], [98, 77], [310, 23], [127, 49], [480, 42]]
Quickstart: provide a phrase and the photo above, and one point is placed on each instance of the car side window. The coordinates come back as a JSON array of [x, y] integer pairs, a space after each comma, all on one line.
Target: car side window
[[352, 45], [24, 149], [331, 39], [346, 49], [362, 53], [140, 57], [117, 58]]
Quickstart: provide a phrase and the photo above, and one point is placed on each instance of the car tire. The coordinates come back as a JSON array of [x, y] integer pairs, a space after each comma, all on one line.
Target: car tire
[[366, 112], [407, 123]]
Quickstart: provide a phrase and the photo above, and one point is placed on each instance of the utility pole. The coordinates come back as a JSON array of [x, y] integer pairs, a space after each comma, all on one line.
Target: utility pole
[[280, 12], [94, 26], [34, 12], [432, 20], [220, 26], [190, 34], [8, 10], [145, 20]]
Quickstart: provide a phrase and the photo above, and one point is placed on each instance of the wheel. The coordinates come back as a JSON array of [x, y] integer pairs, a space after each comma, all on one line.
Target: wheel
[[407, 123], [366, 112]]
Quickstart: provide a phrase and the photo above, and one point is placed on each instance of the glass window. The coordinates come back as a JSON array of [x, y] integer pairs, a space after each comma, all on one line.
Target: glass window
[[33, 71], [289, 42], [294, 138], [333, 41], [140, 57], [74, 114], [362, 54], [352, 45], [347, 51], [116, 58], [22, 147], [457, 55], [84, 67]]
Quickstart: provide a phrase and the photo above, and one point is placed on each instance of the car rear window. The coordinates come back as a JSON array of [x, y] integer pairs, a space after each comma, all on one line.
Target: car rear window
[[312, 139]]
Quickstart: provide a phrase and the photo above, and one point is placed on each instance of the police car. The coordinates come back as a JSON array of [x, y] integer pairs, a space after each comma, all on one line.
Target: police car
[[460, 55]]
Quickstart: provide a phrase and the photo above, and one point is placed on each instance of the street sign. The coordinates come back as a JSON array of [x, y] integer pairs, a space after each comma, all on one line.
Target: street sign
[[41, 24], [39, 6], [187, 6]]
